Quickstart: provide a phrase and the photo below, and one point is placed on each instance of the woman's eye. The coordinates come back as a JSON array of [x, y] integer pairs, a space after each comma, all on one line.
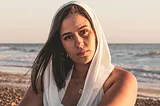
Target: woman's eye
[[83, 32], [68, 37]]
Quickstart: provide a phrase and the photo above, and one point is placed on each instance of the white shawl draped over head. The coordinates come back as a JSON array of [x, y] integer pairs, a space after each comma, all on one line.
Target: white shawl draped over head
[[99, 70]]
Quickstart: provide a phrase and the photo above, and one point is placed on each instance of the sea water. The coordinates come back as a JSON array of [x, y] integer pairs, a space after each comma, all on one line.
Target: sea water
[[143, 60]]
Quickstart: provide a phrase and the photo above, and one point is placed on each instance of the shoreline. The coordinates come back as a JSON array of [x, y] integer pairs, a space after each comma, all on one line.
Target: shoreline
[[149, 93], [14, 85]]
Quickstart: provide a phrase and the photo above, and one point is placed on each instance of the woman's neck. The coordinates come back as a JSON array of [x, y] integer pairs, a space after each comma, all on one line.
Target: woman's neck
[[80, 70]]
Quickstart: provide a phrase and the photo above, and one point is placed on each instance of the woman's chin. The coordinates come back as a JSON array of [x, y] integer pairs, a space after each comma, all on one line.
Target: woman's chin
[[83, 61]]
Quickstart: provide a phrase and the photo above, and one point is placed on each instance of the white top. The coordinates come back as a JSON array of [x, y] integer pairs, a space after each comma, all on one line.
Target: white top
[[95, 102]]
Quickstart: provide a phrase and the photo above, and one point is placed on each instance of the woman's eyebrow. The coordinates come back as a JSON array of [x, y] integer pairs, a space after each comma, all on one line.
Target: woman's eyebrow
[[66, 33], [82, 27]]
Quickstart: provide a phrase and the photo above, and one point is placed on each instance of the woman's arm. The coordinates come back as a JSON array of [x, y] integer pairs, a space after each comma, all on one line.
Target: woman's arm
[[123, 91], [31, 99]]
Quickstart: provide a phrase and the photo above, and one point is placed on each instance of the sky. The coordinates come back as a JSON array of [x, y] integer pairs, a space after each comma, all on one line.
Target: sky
[[123, 21]]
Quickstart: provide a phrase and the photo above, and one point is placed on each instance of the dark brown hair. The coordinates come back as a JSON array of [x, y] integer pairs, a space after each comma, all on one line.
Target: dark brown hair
[[54, 51]]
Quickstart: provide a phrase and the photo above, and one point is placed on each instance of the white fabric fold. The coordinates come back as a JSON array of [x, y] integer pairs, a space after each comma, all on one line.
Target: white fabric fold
[[99, 70]]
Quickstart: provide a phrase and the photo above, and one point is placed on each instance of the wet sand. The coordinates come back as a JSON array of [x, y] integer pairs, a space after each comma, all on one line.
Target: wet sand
[[12, 90]]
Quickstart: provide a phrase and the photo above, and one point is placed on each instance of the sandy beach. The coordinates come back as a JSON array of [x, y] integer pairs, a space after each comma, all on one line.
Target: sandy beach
[[14, 85]]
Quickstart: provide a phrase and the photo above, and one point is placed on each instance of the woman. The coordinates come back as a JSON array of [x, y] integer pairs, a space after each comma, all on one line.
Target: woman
[[74, 66]]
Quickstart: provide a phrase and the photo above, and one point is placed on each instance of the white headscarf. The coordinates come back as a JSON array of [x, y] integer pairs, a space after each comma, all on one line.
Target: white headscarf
[[99, 70]]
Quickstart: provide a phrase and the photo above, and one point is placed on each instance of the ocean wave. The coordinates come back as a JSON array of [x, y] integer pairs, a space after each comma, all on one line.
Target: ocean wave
[[4, 48], [151, 53], [22, 49], [14, 58], [145, 73], [143, 70], [23, 66], [17, 49]]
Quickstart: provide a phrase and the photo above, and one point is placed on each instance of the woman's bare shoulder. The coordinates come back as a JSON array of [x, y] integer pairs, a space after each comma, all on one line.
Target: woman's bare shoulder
[[120, 74], [124, 77], [120, 88]]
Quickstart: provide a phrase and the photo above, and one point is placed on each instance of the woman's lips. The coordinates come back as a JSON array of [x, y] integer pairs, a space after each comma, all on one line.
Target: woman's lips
[[82, 53]]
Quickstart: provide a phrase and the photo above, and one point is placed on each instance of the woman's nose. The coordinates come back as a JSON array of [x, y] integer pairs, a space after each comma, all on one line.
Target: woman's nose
[[79, 42]]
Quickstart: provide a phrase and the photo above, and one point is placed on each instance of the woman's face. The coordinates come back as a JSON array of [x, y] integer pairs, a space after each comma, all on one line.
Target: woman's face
[[78, 38]]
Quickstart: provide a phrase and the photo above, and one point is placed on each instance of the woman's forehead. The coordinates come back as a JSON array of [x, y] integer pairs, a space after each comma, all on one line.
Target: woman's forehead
[[74, 20]]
